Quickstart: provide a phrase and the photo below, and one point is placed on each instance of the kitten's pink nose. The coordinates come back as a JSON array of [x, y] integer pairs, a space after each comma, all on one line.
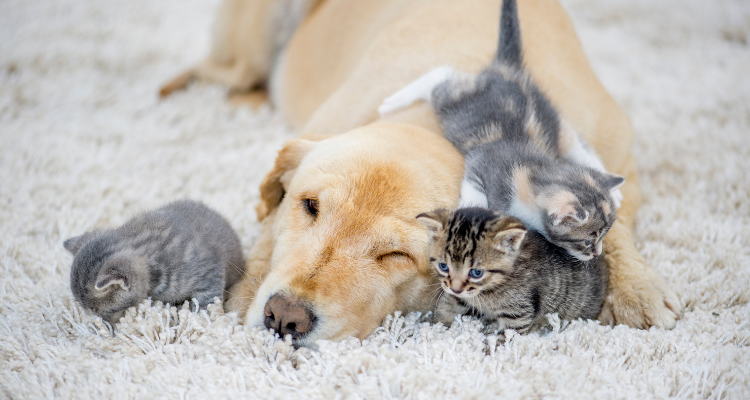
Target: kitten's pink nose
[[456, 287]]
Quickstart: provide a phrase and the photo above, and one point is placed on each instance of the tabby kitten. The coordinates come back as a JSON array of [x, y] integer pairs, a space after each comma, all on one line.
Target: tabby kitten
[[491, 267], [521, 157], [178, 252]]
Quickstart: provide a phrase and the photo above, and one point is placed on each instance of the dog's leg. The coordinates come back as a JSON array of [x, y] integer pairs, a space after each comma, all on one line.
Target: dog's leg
[[636, 295], [239, 76], [177, 83], [253, 99], [421, 89]]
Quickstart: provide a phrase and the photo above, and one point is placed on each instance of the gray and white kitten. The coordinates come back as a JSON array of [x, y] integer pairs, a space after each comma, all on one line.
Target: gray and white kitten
[[491, 267], [178, 252], [521, 156]]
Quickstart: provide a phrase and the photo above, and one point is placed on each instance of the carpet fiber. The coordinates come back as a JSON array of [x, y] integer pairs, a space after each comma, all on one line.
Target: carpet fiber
[[84, 143]]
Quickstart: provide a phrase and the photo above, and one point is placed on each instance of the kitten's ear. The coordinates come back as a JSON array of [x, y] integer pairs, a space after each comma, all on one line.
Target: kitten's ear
[[434, 221], [509, 240], [612, 181], [563, 207], [564, 213], [116, 273], [76, 242], [110, 278]]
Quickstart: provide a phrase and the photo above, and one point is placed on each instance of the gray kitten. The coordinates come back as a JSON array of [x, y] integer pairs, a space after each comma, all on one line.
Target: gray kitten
[[521, 157], [491, 267], [178, 252]]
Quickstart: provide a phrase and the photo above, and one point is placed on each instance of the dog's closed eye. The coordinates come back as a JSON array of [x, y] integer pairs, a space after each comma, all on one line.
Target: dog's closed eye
[[395, 256]]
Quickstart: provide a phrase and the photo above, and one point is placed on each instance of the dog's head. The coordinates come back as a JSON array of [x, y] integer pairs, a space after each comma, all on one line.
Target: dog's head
[[348, 249]]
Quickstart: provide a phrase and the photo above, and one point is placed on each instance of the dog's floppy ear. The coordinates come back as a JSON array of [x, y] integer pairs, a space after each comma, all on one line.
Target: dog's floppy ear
[[274, 185]]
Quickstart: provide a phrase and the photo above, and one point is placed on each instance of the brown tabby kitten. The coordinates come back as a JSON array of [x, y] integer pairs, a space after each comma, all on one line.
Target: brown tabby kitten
[[493, 268]]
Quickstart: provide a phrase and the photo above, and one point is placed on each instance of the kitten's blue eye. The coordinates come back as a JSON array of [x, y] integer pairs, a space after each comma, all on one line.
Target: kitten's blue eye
[[588, 242], [475, 273], [443, 267]]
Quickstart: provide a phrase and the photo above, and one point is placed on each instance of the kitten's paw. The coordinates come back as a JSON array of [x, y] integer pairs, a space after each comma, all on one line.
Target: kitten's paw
[[396, 101], [641, 301], [491, 328], [617, 198], [421, 89]]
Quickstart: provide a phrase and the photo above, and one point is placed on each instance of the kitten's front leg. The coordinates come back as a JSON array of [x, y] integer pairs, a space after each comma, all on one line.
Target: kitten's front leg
[[206, 297], [421, 89], [447, 309], [521, 321], [492, 327]]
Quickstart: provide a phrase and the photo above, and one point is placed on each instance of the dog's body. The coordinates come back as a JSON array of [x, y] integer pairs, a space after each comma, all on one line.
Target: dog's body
[[341, 62]]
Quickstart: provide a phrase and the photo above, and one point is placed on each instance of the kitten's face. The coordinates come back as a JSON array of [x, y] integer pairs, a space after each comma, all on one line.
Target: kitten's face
[[468, 278], [472, 250], [107, 282], [579, 216], [112, 290], [583, 240]]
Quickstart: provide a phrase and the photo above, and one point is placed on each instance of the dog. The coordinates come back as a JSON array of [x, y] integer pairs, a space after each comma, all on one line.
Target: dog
[[338, 248]]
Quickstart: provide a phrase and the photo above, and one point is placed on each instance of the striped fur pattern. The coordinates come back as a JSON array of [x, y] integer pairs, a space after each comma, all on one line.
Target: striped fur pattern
[[178, 252], [491, 267], [515, 147]]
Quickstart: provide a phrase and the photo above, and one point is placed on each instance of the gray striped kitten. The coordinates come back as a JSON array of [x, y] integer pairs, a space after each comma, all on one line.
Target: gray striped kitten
[[178, 252], [491, 267], [521, 157]]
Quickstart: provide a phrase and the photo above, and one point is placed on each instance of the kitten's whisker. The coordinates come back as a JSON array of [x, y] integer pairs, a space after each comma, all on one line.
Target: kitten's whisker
[[244, 274], [436, 292]]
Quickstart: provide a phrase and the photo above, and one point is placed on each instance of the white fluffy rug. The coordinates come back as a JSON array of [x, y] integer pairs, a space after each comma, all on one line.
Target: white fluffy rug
[[84, 142]]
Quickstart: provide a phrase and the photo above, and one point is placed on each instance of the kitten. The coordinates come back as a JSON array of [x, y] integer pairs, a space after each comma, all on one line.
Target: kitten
[[521, 157], [178, 252], [493, 268]]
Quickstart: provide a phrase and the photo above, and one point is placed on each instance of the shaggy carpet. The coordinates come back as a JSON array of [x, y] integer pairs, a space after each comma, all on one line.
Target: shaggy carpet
[[84, 143]]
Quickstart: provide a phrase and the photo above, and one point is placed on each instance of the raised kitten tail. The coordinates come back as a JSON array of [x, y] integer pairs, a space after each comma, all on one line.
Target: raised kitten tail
[[509, 43]]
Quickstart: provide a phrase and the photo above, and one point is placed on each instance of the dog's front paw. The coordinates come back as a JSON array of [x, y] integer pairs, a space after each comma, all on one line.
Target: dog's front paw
[[641, 300]]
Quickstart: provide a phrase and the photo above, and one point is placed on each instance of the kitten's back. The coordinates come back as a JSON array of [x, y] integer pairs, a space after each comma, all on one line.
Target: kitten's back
[[190, 231], [572, 288], [502, 102]]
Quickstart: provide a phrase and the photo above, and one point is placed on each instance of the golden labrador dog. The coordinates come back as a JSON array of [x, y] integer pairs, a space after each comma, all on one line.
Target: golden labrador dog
[[340, 247]]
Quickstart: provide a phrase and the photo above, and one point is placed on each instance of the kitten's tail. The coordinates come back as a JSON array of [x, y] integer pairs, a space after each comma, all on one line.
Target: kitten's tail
[[509, 42]]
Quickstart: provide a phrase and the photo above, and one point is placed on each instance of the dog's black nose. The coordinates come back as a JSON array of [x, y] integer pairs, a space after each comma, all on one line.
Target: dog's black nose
[[288, 316]]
